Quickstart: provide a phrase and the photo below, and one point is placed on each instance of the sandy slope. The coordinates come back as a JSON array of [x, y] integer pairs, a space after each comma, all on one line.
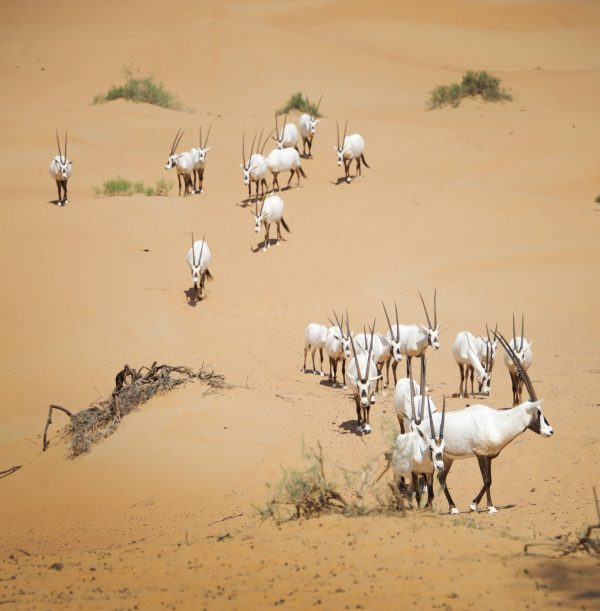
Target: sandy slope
[[490, 204]]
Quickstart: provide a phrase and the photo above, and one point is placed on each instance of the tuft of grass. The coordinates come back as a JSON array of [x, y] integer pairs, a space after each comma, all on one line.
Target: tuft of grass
[[121, 186], [298, 102], [474, 83], [140, 89]]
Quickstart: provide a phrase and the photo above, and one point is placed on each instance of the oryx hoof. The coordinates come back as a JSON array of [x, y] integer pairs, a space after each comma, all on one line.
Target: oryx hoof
[[348, 180], [372, 401], [321, 374], [473, 507], [453, 511], [344, 387], [359, 429], [492, 509], [366, 429], [264, 249]]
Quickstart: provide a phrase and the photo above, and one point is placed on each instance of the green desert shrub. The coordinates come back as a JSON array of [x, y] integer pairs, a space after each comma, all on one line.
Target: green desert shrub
[[474, 83], [298, 102], [122, 186], [140, 89]]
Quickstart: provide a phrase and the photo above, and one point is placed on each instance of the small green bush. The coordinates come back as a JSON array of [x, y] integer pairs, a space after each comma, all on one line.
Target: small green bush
[[473, 83], [121, 186], [140, 89], [597, 200], [298, 102]]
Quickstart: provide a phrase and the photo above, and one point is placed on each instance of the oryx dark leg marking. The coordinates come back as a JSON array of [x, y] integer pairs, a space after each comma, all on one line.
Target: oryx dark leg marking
[[415, 486], [461, 367], [442, 479], [485, 466], [358, 413]]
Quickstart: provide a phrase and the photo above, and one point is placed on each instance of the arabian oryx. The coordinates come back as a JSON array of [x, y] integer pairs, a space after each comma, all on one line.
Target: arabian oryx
[[482, 432], [255, 167], [184, 162], [486, 350], [271, 212], [464, 351], [395, 345], [60, 169], [416, 453], [198, 258], [362, 375], [522, 350], [288, 136], [415, 339], [351, 148], [307, 124], [337, 347], [284, 160], [199, 157], [314, 339]]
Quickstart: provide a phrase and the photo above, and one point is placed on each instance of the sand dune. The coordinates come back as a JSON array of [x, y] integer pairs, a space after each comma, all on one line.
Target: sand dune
[[490, 204]]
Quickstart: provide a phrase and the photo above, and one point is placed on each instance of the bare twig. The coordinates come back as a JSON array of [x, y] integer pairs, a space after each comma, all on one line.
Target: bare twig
[[46, 443], [231, 517], [10, 471]]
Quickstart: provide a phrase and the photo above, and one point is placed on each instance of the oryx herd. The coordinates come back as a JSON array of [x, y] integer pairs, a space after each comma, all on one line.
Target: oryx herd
[[430, 441], [285, 157]]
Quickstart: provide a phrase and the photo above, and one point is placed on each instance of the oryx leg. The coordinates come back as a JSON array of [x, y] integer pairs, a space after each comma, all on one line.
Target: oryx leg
[[250, 191], [58, 189], [400, 422], [358, 414], [461, 367], [194, 172], [358, 169], [267, 228], [305, 353], [292, 171], [366, 422], [275, 182], [321, 355], [347, 169], [278, 239], [332, 371], [514, 383], [310, 139], [394, 367], [179, 182], [429, 479], [344, 373], [472, 373], [442, 479], [414, 478], [264, 186], [65, 196], [201, 179], [312, 354], [485, 465]]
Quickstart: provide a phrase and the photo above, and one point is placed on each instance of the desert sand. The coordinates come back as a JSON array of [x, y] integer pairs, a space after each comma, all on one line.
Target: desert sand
[[490, 204]]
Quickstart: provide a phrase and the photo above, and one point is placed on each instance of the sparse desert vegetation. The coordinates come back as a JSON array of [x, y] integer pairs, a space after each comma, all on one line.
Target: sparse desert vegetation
[[474, 83], [140, 89], [121, 186], [298, 102]]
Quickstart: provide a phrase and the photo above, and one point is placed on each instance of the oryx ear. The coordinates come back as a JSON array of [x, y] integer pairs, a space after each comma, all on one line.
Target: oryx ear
[[71, 163], [317, 121], [375, 378], [351, 377], [208, 149], [530, 344], [335, 147], [532, 406], [439, 327], [421, 435], [242, 166], [423, 327]]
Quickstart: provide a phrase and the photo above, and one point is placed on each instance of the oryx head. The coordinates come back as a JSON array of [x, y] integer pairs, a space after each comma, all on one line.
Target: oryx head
[[362, 380], [339, 149], [342, 338], [394, 337], [172, 155], [202, 149], [196, 264], [538, 422], [279, 137], [520, 345], [62, 163], [485, 380], [258, 217], [313, 118], [433, 331]]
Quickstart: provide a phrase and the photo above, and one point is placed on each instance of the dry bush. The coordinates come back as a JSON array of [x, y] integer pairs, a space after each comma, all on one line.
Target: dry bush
[[132, 389]]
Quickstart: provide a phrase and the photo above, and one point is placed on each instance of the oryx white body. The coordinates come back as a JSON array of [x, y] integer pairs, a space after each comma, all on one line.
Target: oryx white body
[[308, 128], [199, 259], [315, 336], [60, 170], [464, 350], [199, 158], [351, 149], [363, 388], [271, 212], [284, 160], [183, 162], [288, 137], [255, 171], [338, 348], [402, 405]]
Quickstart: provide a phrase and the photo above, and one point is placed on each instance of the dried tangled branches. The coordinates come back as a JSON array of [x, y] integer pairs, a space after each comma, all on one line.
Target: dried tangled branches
[[132, 388], [565, 545]]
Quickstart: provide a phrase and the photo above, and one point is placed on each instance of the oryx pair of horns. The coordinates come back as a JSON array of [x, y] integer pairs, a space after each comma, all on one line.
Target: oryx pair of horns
[[203, 146], [518, 366], [316, 108], [425, 397], [488, 348], [259, 148], [176, 141], [370, 351], [522, 331], [194, 251], [396, 339], [339, 146], [434, 309], [60, 155]]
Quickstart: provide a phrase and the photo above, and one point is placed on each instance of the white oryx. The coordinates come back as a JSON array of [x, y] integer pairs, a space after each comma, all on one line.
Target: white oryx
[[314, 339], [337, 347], [307, 124], [482, 432], [393, 338], [486, 349], [362, 376], [183, 162], [271, 211], [60, 169], [255, 167], [464, 350], [199, 258], [402, 401], [416, 453], [199, 157], [351, 148], [284, 160], [288, 136], [415, 339], [523, 352]]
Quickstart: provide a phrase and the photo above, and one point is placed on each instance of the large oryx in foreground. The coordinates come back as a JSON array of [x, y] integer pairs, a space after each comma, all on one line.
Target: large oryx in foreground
[[351, 148], [362, 375], [199, 258], [255, 168], [307, 123], [523, 352], [60, 169], [482, 432], [184, 162], [199, 158], [415, 339]]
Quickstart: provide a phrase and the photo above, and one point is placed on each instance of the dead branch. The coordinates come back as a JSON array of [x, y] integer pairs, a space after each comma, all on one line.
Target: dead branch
[[49, 422], [10, 471], [231, 517]]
